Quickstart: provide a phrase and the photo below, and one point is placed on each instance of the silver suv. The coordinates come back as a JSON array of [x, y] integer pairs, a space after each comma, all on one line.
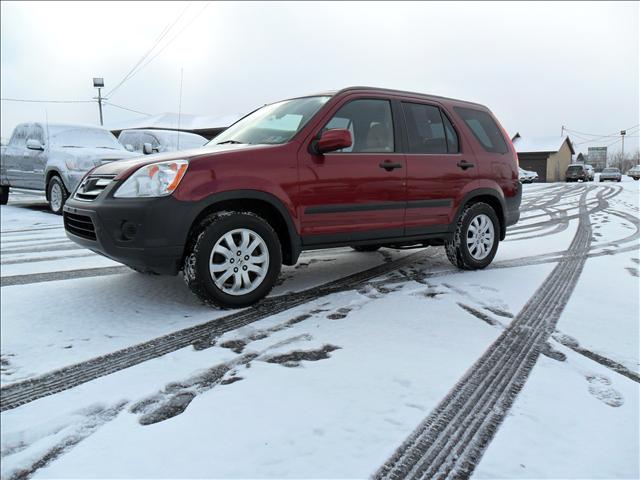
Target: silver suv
[[53, 158]]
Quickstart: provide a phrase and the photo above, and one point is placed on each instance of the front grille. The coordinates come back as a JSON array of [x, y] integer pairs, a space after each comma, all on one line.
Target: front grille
[[92, 186], [79, 225]]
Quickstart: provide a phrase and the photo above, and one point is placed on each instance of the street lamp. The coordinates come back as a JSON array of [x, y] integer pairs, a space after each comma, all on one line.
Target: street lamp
[[98, 82]]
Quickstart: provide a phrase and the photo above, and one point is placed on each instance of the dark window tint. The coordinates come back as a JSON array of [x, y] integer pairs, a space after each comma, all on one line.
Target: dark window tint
[[424, 128], [484, 129], [370, 123]]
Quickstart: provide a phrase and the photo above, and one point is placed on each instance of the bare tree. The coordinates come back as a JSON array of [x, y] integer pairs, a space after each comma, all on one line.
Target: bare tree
[[624, 163]]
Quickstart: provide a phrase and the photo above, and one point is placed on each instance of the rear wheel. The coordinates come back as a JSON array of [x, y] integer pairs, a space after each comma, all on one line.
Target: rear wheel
[[57, 194], [476, 238], [233, 260], [366, 248], [4, 194]]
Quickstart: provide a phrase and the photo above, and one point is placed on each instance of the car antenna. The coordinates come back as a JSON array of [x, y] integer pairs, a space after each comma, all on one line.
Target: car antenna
[[46, 122], [180, 106]]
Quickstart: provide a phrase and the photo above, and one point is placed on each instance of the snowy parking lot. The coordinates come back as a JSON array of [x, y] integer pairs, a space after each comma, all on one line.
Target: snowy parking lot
[[390, 364]]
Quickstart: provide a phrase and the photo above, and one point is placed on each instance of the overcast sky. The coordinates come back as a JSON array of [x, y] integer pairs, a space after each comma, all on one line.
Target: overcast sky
[[538, 66]]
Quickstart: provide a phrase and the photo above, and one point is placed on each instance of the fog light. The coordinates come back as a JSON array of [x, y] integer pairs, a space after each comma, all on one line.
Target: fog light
[[129, 230]]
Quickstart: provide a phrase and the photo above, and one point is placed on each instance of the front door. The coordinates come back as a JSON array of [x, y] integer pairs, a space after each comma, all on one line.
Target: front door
[[437, 170], [357, 193]]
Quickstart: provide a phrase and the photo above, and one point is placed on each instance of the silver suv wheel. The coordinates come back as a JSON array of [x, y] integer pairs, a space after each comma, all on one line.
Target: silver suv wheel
[[480, 236], [55, 197], [239, 261]]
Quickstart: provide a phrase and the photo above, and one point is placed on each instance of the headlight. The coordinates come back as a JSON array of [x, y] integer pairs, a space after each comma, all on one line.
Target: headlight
[[154, 180], [79, 164]]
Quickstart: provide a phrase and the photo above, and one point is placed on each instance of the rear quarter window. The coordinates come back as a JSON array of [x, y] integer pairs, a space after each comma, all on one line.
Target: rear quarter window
[[484, 128]]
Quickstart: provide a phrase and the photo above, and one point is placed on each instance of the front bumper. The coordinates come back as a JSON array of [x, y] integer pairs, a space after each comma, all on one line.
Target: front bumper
[[146, 233]]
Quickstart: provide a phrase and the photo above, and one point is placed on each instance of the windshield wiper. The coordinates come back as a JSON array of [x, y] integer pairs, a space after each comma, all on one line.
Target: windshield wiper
[[235, 142]]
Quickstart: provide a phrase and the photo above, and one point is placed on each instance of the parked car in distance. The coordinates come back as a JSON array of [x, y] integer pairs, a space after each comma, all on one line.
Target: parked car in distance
[[54, 157], [591, 172], [634, 172], [158, 141], [361, 167], [610, 173], [527, 176], [576, 172]]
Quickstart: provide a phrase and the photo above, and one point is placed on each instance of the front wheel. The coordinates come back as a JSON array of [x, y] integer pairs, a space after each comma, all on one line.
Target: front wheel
[[475, 240], [4, 194], [57, 194], [233, 260]]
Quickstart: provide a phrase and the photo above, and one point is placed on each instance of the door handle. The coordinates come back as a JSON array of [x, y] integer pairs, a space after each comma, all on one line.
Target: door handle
[[388, 166], [463, 164]]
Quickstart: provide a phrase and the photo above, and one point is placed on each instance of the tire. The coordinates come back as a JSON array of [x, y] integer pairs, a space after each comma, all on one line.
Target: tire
[[200, 257], [458, 250], [4, 194], [636, 178], [366, 248], [56, 194]]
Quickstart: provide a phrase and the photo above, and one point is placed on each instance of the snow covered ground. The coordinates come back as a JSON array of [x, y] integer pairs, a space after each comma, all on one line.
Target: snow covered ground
[[332, 386]]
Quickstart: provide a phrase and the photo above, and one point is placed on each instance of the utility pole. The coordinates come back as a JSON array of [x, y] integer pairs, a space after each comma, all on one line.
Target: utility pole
[[562, 131], [622, 134], [98, 82]]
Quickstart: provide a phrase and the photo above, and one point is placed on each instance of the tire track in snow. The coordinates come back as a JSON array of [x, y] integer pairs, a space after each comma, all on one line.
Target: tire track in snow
[[19, 393], [61, 275], [451, 440]]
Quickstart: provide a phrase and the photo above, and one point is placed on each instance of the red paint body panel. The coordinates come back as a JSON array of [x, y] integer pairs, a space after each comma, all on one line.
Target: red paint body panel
[[304, 182]]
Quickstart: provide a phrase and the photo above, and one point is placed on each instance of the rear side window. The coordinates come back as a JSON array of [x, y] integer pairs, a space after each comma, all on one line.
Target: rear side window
[[428, 130], [484, 129]]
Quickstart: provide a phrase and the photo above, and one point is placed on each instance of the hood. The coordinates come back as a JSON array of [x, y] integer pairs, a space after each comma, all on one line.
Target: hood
[[97, 156], [121, 168]]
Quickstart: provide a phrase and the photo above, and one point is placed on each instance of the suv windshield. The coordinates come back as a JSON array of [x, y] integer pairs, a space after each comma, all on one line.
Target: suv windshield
[[85, 137], [272, 124]]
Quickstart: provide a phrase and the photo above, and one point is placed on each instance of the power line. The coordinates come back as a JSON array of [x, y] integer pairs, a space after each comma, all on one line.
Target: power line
[[174, 37], [163, 33], [614, 134], [125, 108], [44, 101]]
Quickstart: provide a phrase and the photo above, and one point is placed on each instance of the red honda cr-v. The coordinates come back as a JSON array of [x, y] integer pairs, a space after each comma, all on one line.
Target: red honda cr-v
[[364, 167]]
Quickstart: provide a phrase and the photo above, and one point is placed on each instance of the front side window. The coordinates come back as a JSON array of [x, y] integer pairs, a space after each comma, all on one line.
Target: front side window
[[484, 128], [272, 124], [19, 137], [428, 130], [370, 123]]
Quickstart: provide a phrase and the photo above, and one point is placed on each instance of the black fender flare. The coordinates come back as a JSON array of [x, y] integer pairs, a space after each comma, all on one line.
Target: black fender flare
[[484, 192], [295, 243]]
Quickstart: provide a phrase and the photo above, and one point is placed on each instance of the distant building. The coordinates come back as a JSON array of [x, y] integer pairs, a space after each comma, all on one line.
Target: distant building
[[582, 158], [598, 158], [206, 125], [549, 157]]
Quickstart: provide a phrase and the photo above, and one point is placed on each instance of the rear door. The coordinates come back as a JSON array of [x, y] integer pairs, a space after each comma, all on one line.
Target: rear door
[[357, 193], [14, 157], [437, 168]]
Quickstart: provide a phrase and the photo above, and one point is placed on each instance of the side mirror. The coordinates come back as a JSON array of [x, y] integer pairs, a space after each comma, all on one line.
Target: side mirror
[[33, 144], [128, 147], [332, 140], [147, 148]]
